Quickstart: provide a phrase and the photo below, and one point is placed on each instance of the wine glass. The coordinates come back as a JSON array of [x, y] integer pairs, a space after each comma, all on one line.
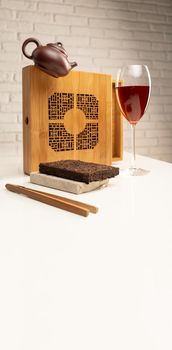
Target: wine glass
[[133, 87]]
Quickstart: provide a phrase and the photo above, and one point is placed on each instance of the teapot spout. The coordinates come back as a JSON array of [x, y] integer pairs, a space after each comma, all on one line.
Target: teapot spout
[[73, 64]]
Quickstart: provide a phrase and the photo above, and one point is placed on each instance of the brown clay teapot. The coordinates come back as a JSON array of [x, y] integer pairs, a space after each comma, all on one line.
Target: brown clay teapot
[[51, 58]]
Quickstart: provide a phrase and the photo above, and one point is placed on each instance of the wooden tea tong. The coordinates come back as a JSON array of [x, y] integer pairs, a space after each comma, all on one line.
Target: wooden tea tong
[[71, 205]]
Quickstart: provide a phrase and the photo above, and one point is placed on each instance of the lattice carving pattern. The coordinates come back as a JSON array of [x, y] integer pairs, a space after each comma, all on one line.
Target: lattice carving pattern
[[58, 104], [89, 105], [88, 138], [59, 138]]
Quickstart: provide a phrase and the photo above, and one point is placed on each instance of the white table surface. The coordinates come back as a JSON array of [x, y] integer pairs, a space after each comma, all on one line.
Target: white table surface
[[98, 283]]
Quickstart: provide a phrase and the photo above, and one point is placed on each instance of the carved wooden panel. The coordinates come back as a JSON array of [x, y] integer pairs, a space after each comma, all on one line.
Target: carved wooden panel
[[59, 138], [67, 118]]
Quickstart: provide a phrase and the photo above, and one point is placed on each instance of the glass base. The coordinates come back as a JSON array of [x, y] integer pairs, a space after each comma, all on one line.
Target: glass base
[[134, 171], [138, 171]]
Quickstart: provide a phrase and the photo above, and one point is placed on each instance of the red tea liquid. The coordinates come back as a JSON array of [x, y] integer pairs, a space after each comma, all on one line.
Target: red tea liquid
[[133, 101]]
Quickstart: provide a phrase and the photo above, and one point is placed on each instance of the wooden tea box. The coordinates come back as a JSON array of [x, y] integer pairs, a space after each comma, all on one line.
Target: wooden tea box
[[71, 117]]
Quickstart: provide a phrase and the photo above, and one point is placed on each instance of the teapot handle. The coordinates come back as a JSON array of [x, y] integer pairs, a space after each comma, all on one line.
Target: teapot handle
[[29, 40]]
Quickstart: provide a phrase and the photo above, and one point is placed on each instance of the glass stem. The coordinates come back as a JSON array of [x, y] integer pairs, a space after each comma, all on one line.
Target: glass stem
[[133, 159]]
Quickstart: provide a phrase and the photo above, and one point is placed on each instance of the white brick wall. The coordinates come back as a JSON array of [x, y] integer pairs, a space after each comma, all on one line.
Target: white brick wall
[[100, 35]]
